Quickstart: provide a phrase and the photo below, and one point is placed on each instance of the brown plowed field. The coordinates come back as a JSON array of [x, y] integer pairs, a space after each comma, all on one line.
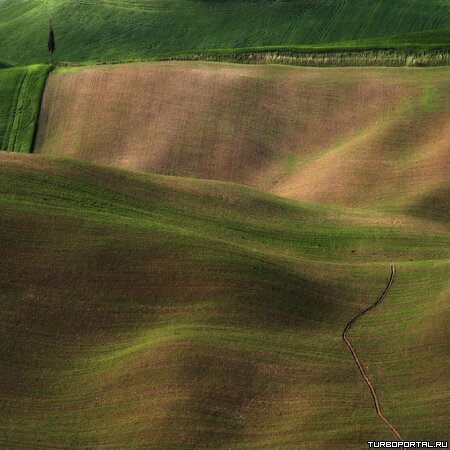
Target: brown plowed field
[[344, 135]]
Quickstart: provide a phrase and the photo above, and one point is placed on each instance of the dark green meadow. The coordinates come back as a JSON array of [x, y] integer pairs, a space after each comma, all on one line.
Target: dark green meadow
[[142, 311]]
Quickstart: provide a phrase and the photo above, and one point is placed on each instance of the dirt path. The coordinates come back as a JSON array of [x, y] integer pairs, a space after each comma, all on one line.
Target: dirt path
[[358, 360]]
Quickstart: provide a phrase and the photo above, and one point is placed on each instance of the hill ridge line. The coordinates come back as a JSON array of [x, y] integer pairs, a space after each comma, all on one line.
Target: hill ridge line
[[358, 361]]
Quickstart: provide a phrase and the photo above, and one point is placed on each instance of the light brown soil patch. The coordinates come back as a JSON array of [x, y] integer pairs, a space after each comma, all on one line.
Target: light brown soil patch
[[342, 135]]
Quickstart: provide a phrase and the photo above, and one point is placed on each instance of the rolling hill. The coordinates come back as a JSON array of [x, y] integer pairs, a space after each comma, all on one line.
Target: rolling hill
[[357, 137], [182, 254], [145, 311], [105, 30]]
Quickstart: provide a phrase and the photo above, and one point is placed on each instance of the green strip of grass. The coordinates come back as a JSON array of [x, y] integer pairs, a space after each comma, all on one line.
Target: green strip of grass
[[21, 91], [321, 58], [297, 56], [423, 49]]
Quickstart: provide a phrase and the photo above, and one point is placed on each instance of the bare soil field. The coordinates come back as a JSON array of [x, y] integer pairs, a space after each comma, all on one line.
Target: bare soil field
[[342, 135]]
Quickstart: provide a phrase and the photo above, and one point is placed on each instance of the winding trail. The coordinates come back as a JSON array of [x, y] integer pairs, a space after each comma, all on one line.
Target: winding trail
[[358, 361]]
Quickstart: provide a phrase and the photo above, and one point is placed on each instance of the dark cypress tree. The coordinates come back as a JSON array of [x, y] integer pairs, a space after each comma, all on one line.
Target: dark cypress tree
[[51, 40]]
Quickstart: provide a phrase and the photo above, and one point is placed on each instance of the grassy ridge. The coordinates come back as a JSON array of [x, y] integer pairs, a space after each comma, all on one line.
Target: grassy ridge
[[177, 313], [356, 137], [98, 31], [20, 96]]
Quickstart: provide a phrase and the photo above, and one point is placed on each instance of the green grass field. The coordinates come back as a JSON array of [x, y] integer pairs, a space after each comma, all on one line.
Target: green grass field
[[140, 29], [182, 252], [142, 311], [20, 96]]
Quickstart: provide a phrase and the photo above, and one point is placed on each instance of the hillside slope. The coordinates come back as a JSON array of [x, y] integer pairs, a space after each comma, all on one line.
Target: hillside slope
[[156, 312], [100, 30], [358, 137], [20, 96]]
